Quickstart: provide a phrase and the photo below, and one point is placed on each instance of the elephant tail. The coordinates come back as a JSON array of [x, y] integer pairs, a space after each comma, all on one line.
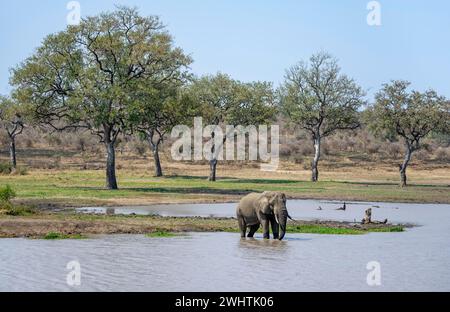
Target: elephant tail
[[291, 218]]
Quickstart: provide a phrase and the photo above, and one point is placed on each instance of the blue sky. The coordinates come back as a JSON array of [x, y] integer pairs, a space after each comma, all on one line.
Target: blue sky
[[259, 39]]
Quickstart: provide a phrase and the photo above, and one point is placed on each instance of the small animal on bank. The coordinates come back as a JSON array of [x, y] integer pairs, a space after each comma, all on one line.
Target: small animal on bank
[[267, 210]]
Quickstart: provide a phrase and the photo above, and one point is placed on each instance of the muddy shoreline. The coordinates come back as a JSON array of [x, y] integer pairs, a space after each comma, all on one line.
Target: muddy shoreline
[[39, 225]]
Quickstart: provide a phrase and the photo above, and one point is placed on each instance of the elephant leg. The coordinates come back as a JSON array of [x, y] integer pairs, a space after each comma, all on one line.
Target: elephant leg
[[275, 228], [265, 225], [253, 230], [242, 226]]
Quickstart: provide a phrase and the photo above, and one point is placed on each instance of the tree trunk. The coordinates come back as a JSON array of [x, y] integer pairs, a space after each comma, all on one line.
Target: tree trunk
[[111, 181], [404, 166], [158, 169], [213, 170], [213, 161], [315, 162], [12, 154]]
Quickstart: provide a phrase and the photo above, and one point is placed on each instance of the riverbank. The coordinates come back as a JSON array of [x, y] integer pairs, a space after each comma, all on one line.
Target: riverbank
[[63, 225], [58, 189]]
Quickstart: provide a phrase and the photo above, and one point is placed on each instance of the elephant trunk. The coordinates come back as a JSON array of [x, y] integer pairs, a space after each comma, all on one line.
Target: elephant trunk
[[282, 221]]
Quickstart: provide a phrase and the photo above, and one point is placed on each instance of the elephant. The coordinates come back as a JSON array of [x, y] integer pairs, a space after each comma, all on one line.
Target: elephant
[[258, 209]]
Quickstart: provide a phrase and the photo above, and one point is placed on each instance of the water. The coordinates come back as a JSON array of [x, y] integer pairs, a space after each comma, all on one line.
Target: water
[[417, 260]]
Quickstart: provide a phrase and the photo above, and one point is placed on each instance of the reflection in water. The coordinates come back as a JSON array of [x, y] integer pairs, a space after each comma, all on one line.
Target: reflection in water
[[417, 260], [267, 245]]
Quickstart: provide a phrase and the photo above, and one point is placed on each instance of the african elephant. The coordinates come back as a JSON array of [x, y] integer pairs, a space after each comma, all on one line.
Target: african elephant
[[258, 209]]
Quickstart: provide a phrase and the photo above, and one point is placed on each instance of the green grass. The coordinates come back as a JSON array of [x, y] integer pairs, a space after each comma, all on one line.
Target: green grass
[[161, 234], [57, 236], [320, 229], [87, 187]]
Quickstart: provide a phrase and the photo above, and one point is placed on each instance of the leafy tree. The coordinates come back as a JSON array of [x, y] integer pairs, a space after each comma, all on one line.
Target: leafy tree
[[156, 111], [225, 101], [11, 119], [409, 115], [87, 75], [318, 98]]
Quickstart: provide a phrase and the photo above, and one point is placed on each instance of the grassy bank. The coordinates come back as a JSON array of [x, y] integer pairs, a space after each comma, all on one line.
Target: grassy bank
[[79, 188], [76, 226]]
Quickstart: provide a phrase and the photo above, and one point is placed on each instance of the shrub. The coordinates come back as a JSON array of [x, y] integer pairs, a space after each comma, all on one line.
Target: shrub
[[373, 148], [306, 149], [6, 194], [422, 155], [12, 210], [5, 168], [285, 151], [21, 171], [443, 154], [393, 150], [139, 148]]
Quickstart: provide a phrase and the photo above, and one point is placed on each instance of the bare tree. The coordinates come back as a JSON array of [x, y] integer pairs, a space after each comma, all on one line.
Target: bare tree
[[411, 116], [318, 98]]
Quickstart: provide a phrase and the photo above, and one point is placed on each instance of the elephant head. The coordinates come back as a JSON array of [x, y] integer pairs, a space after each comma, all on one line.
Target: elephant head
[[274, 204]]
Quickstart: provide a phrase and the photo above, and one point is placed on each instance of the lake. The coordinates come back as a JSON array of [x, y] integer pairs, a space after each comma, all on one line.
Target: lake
[[415, 260]]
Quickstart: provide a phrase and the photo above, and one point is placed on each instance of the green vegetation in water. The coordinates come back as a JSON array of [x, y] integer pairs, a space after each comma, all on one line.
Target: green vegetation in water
[[55, 236], [320, 229], [161, 234]]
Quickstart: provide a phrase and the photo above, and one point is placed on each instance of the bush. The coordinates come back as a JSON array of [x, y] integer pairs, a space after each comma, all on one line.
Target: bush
[[139, 148], [21, 171], [6, 194], [12, 210], [393, 150], [423, 155], [306, 149], [443, 154], [373, 148], [5, 168]]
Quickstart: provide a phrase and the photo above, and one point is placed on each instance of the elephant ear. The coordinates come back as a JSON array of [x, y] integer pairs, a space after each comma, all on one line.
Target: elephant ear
[[272, 196], [264, 205]]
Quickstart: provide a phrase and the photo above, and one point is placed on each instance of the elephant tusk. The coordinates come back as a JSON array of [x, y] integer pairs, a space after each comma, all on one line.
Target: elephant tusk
[[276, 219]]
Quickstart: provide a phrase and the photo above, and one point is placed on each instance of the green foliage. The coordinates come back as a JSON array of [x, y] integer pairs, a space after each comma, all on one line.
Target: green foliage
[[227, 101], [318, 98], [91, 75], [330, 230], [161, 234], [410, 115], [123, 50], [56, 236], [6, 194]]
